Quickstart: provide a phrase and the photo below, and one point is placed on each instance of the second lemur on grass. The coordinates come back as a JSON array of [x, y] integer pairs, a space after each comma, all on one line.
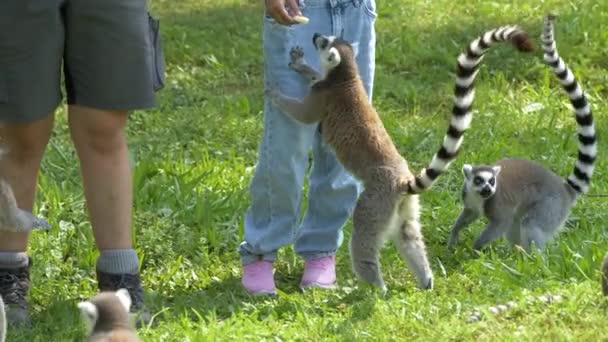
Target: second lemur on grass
[[388, 208], [521, 199]]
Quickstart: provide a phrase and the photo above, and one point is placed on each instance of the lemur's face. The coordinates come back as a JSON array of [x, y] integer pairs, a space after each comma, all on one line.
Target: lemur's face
[[328, 48], [481, 179], [89, 308]]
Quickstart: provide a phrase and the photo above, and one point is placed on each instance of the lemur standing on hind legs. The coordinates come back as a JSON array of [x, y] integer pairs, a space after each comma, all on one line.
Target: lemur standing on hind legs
[[388, 207], [522, 199]]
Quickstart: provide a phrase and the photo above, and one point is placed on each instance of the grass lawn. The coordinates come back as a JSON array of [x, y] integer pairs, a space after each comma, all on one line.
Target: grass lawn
[[195, 155]]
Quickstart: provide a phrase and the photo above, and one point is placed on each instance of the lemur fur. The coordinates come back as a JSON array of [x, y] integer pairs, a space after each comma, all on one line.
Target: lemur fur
[[107, 317], [521, 199], [388, 208]]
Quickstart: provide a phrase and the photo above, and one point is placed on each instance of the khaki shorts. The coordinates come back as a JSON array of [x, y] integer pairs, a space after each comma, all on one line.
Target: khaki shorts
[[110, 51]]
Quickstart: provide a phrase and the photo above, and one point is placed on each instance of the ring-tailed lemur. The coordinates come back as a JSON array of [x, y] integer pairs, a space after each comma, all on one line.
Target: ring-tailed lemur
[[107, 317], [388, 207], [12, 218], [522, 199]]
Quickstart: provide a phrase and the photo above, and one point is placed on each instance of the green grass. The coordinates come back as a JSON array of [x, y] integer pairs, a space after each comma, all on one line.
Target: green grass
[[194, 157]]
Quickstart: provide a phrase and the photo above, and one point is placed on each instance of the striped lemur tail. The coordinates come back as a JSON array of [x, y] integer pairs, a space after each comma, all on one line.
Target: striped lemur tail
[[464, 93], [580, 178], [2, 321]]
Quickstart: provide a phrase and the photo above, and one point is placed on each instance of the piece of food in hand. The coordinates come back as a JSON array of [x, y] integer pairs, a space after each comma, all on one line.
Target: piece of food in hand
[[301, 19]]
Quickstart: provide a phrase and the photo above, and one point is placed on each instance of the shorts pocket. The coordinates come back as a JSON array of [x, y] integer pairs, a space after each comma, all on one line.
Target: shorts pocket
[[158, 56]]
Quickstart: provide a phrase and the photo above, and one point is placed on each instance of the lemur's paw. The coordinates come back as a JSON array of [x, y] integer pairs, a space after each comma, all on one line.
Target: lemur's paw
[[428, 284], [272, 93], [296, 54]]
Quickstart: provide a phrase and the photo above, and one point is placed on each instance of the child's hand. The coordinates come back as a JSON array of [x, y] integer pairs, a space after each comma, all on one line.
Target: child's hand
[[276, 9]]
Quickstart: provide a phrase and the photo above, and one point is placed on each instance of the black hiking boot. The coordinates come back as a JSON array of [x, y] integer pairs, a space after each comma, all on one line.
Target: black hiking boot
[[14, 288], [132, 283]]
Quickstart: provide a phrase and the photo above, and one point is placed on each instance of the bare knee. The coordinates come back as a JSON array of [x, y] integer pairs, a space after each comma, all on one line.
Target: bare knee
[[97, 131], [25, 142]]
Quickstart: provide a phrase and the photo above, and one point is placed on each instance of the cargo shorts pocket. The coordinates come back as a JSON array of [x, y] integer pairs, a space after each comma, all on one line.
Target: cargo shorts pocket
[[158, 56]]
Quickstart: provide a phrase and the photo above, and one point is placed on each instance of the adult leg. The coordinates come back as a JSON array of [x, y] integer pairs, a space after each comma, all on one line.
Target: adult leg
[[25, 144], [101, 146], [102, 149], [109, 71], [31, 48]]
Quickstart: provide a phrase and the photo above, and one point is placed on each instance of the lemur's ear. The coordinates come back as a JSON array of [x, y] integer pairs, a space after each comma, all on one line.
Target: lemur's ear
[[124, 297], [89, 312], [355, 46], [467, 170]]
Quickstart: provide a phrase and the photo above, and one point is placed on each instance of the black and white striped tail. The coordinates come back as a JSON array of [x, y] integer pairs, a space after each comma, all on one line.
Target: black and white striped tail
[[2, 320], [496, 310], [464, 92], [580, 179]]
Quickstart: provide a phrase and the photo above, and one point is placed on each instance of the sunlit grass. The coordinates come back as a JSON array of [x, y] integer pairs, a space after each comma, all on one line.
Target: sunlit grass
[[195, 154]]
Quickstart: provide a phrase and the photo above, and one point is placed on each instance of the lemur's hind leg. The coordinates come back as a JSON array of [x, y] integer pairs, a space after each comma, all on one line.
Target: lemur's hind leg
[[514, 234], [542, 222], [372, 218], [298, 63], [409, 241]]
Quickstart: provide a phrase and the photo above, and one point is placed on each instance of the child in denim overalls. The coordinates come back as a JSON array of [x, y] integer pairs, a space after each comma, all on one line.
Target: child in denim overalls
[[272, 220]]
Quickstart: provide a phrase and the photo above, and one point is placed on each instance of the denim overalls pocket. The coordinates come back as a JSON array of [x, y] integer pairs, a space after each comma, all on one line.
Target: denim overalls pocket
[[370, 8]]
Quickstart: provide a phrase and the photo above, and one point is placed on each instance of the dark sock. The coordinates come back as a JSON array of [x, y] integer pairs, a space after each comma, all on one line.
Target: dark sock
[[118, 261], [13, 259]]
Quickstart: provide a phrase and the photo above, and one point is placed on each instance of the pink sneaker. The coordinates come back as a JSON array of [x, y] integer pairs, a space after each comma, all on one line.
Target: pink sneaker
[[258, 278], [319, 273]]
